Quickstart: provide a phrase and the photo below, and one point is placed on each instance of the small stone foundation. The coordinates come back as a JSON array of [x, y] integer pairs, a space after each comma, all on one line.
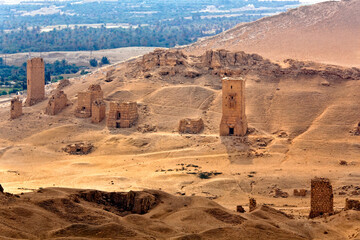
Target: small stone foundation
[[79, 148]]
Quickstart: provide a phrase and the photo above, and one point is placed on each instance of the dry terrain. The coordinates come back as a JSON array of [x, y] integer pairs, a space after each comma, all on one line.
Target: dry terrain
[[327, 32], [302, 117]]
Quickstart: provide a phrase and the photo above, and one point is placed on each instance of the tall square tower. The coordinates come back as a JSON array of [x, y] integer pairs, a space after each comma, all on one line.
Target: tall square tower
[[35, 81], [233, 121]]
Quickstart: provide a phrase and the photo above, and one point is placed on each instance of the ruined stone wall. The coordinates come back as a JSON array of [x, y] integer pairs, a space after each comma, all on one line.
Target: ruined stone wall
[[233, 121], [98, 110], [193, 126], [85, 100], [16, 108], [322, 198], [162, 58], [35, 81], [122, 115], [57, 103]]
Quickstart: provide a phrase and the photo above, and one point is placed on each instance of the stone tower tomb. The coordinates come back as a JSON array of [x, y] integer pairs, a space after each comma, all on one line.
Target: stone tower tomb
[[233, 121], [35, 81]]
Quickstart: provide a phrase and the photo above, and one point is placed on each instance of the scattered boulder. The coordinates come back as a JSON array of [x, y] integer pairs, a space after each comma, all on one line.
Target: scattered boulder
[[79, 148]]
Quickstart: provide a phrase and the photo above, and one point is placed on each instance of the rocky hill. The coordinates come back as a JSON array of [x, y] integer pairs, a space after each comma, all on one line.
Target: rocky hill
[[326, 32]]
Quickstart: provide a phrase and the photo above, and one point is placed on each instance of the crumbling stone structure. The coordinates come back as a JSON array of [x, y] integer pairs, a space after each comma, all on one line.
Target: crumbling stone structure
[[252, 204], [98, 110], [300, 192], [188, 125], [16, 108], [233, 121], [85, 100], [351, 204], [35, 81], [240, 209], [122, 115], [78, 148], [57, 103], [322, 198], [163, 58]]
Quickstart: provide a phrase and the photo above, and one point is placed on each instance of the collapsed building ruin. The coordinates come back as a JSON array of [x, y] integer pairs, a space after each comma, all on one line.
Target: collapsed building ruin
[[322, 198], [35, 81], [79, 148], [252, 204], [193, 126], [57, 103], [16, 108], [233, 121], [98, 110], [122, 114], [85, 100], [351, 204]]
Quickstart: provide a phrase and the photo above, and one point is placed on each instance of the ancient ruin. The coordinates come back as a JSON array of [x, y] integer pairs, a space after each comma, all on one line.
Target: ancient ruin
[[122, 115], [98, 110], [79, 148], [85, 100], [322, 198], [233, 121], [300, 192], [16, 108], [252, 204], [57, 103], [35, 81], [193, 126], [351, 204], [240, 209]]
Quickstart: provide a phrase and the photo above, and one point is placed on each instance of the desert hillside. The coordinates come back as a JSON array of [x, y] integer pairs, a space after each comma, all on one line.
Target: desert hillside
[[327, 32], [58, 213]]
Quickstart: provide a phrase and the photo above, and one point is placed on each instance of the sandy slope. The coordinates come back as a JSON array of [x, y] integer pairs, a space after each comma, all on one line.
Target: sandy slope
[[327, 32]]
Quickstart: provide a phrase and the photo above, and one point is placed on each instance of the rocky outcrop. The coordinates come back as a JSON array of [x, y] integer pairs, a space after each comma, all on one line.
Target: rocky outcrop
[[134, 202]]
